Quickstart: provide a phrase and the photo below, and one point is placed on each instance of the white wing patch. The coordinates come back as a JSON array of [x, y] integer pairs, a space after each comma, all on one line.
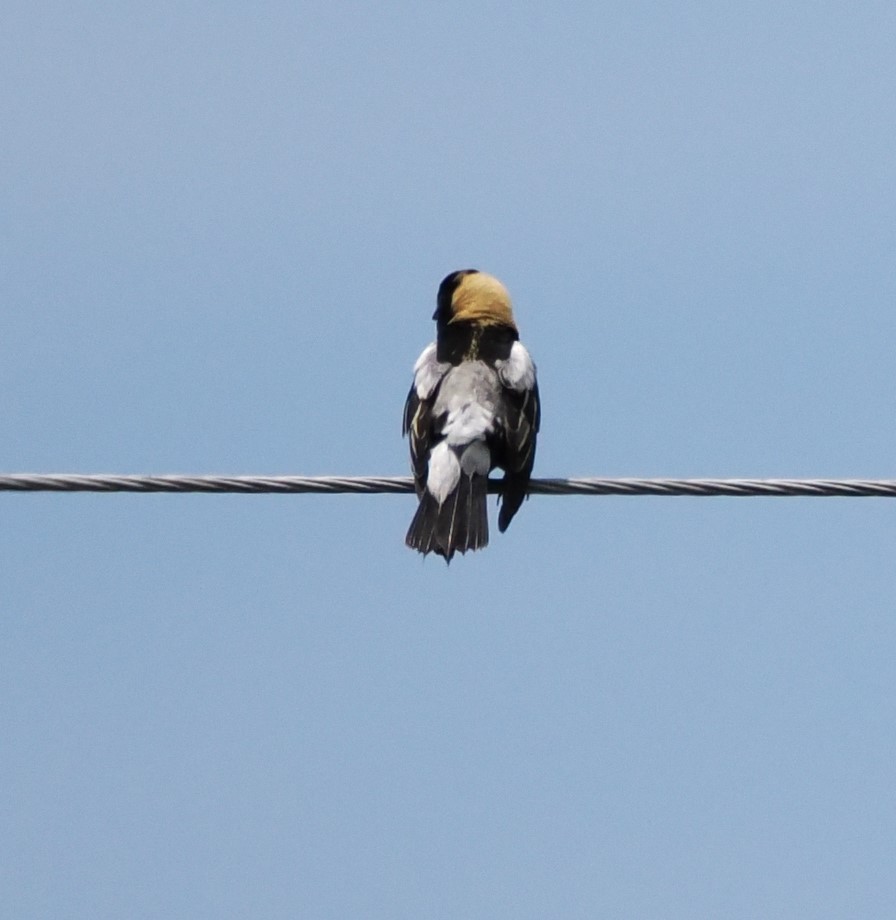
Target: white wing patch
[[428, 371], [518, 371]]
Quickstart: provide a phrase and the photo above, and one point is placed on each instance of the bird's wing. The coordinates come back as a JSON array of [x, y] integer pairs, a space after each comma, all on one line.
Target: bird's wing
[[520, 420], [522, 408], [418, 422]]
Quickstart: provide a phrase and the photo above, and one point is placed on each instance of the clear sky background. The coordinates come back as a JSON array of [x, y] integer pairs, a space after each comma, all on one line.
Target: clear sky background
[[222, 229]]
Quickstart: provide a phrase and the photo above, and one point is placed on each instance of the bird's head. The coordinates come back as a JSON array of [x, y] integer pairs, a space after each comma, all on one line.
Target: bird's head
[[472, 296]]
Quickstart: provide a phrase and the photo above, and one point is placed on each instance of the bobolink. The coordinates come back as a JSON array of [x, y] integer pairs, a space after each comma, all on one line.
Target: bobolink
[[473, 406]]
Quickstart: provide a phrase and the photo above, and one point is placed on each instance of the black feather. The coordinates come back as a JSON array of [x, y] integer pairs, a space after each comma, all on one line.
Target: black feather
[[459, 524], [515, 451]]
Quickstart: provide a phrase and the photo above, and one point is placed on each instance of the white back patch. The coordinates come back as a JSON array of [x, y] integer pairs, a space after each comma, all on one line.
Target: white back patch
[[468, 423], [444, 472], [476, 459]]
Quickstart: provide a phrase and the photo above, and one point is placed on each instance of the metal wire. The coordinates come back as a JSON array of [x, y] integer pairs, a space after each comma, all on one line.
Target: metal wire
[[67, 482]]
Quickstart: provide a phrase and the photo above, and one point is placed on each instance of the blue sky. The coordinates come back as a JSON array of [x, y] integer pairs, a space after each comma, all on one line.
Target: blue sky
[[222, 233]]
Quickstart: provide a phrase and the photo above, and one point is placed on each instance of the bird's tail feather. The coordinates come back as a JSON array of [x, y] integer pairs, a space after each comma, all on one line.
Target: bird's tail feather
[[514, 494], [458, 524]]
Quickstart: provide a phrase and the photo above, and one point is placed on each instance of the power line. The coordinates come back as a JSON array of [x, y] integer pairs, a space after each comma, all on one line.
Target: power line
[[329, 485]]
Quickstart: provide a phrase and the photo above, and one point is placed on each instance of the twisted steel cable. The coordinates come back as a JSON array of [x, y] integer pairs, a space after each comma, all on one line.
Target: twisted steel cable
[[68, 482]]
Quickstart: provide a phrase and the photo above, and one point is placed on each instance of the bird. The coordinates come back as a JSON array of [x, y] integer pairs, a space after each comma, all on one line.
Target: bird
[[473, 406]]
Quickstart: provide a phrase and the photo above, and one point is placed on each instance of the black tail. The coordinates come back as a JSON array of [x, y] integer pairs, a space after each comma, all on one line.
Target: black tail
[[459, 524], [516, 486]]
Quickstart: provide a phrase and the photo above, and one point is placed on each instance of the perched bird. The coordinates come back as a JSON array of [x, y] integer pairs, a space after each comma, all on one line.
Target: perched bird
[[473, 406]]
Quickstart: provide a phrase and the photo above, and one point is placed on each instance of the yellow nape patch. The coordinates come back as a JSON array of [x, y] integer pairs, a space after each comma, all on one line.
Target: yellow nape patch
[[481, 298]]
